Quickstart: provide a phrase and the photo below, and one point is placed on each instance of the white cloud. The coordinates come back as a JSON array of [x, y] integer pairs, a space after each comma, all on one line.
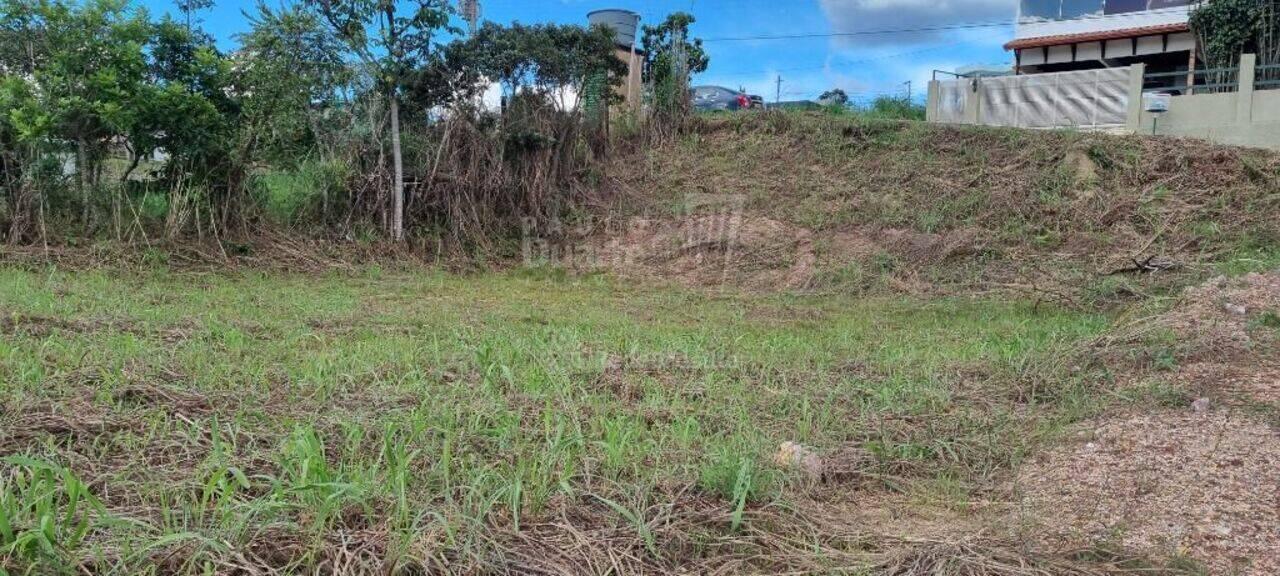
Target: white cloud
[[856, 15]]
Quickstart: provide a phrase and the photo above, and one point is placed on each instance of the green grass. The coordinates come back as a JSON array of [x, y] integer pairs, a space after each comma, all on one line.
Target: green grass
[[271, 419]]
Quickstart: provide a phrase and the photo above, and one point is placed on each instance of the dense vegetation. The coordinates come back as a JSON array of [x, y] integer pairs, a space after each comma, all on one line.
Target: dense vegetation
[[1229, 28], [333, 114]]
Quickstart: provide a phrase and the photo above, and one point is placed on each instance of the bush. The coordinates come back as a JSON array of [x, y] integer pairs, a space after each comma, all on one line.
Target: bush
[[894, 107], [311, 191], [883, 107]]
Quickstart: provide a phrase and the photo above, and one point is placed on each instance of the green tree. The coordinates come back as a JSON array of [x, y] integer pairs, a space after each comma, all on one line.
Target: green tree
[[100, 76], [289, 71], [20, 143], [188, 112], [835, 96], [89, 70], [391, 38], [670, 59], [547, 59], [1229, 28], [188, 8]]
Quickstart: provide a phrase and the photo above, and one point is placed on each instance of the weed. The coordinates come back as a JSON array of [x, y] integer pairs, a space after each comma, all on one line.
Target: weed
[[1267, 319], [443, 411], [46, 513]]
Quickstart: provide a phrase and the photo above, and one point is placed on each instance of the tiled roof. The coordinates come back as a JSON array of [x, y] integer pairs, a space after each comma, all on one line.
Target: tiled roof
[[1095, 36]]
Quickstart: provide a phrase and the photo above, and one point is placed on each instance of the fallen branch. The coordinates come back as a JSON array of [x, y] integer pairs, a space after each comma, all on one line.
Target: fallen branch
[[1145, 266]]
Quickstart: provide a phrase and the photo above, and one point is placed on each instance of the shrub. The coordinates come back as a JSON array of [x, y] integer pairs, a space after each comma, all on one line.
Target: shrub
[[313, 190]]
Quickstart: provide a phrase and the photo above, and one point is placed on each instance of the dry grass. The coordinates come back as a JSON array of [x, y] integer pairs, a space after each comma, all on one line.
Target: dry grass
[[917, 206]]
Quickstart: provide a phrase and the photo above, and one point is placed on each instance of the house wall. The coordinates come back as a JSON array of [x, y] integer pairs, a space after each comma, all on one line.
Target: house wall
[[1034, 28]]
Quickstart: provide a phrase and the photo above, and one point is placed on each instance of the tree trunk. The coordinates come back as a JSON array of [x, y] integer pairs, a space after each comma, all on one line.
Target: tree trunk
[[82, 181], [397, 215]]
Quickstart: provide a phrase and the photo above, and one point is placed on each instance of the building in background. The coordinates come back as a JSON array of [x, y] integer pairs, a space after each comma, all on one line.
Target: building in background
[[1068, 35]]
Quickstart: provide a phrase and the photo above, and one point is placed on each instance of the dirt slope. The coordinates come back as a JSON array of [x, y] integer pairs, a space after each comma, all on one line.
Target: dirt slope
[[816, 202]]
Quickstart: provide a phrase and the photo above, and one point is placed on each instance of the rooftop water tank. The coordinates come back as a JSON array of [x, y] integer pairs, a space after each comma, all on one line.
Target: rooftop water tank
[[623, 23]]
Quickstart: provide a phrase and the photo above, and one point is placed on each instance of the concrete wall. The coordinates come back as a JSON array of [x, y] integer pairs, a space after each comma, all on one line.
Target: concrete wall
[[1247, 117], [1216, 117]]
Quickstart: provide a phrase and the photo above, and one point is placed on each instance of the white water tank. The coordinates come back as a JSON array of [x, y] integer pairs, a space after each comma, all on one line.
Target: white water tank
[[624, 24]]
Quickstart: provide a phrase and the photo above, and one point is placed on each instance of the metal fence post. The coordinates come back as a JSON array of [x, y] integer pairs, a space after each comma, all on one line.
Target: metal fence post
[[1133, 120], [1244, 91]]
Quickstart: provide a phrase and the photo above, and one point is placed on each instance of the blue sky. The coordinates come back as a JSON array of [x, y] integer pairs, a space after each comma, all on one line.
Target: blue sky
[[864, 65]]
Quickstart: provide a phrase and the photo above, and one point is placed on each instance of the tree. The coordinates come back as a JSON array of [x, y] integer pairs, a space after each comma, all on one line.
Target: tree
[[549, 59], [390, 43], [1229, 28], [834, 97], [667, 49], [289, 70], [89, 76], [190, 7], [191, 113], [20, 143], [99, 75]]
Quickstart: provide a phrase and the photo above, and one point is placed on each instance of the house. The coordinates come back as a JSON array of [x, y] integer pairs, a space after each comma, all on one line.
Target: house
[[1069, 35]]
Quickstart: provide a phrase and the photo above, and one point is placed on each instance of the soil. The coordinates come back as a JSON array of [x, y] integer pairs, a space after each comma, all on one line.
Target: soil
[[759, 253], [708, 250], [1229, 334], [1203, 484], [1201, 480]]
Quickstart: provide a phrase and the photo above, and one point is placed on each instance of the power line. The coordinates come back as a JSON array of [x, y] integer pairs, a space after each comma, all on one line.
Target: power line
[[967, 26], [840, 63]]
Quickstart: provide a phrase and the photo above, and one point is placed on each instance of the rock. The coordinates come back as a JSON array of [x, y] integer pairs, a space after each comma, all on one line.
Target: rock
[[1236, 309], [796, 457], [1200, 405], [1084, 172]]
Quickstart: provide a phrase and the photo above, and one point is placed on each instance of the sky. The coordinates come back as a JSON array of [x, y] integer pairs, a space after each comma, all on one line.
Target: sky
[[752, 43]]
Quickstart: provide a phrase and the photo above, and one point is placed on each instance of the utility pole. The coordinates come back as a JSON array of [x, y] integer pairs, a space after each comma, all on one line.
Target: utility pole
[[777, 96], [908, 83], [470, 10]]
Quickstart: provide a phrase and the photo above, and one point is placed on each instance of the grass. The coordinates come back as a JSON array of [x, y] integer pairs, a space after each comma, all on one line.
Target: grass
[[1051, 209], [189, 423]]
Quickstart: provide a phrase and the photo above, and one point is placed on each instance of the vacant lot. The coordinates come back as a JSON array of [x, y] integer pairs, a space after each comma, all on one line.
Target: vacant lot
[[504, 422], [921, 351]]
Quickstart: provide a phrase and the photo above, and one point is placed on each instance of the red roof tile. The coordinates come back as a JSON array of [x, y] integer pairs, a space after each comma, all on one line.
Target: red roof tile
[[1095, 36]]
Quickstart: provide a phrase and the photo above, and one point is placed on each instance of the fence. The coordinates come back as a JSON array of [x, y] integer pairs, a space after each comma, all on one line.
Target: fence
[[1267, 77], [951, 99], [1082, 99], [1230, 105], [1210, 81]]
